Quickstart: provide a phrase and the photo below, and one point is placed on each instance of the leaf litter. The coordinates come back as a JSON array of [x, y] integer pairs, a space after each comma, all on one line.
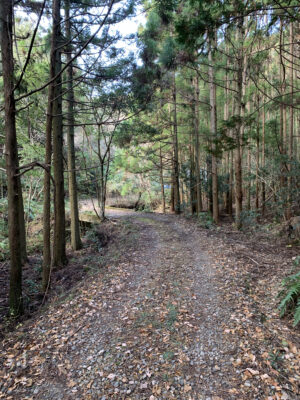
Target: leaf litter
[[175, 314]]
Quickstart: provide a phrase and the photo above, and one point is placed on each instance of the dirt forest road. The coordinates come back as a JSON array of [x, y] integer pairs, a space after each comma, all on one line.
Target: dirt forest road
[[165, 324]]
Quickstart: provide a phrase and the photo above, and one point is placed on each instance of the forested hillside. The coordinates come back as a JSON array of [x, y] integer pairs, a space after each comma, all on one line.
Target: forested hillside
[[189, 110]]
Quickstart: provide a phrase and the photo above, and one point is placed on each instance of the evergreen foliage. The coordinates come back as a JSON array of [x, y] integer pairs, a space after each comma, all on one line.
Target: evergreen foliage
[[202, 116]]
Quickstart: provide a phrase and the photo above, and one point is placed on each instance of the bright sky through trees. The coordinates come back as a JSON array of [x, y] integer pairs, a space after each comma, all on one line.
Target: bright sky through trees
[[127, 28]]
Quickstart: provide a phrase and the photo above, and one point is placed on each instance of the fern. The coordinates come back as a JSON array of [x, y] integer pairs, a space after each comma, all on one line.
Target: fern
[[291, 297], [297, 313]]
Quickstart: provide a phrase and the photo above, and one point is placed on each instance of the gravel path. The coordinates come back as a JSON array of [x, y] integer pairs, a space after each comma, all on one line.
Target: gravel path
[[152, 328]]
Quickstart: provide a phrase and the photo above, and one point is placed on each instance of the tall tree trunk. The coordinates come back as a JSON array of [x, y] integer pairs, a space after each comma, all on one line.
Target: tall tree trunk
[[102, 197], [162, 185], [248, 193], [282, 146], [229, 153], [197, 146], [75, 228], [209, 183], [102, 183], [230, 196], [47, 187], [192, 174], [47, 256], [231, 167], [22, 223], [238, 129], [175, 151], [213, 128], [172, 202], [59, 248], [291, 132], [12, 161], [263, 149], [257, 158]]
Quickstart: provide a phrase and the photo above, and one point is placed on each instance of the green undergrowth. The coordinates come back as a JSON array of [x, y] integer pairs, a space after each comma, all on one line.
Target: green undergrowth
[[205, 220], [290, 295]]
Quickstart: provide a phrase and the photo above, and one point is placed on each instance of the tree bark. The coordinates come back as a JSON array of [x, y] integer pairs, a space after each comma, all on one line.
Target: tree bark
[[47, 192], [230, 196], [197, 146], [102, 190], [12, 162], [22, 223], [282, 146], [193, 196], [172, 201], [238, 129], [248, 192], [257, 157], [263, 185], [213, 128], [59, 248], [162, 185], [291, 130], [175, 151], [229, 153], [47, 256], [75, 227]]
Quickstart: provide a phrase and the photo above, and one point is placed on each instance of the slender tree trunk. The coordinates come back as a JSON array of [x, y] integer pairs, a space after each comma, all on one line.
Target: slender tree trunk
[[11, 158], [230, 196], [209, 189], [197, 146], [291, 132], [22, 223], [75, 227], [248, 193], [238, 129], [181, 189], [282, 113], [59, 248], [175, 151], [224, 168], [106, 175], [162, 185], [103, 175], [182, 200], [229, 158], [257, 158], [238, 182], [102, 190], [172, 195], [192, 175], [226, 173], [263, 184], [231, 170], [213, 128], [161, 167], [47, 182], [172, 200]]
